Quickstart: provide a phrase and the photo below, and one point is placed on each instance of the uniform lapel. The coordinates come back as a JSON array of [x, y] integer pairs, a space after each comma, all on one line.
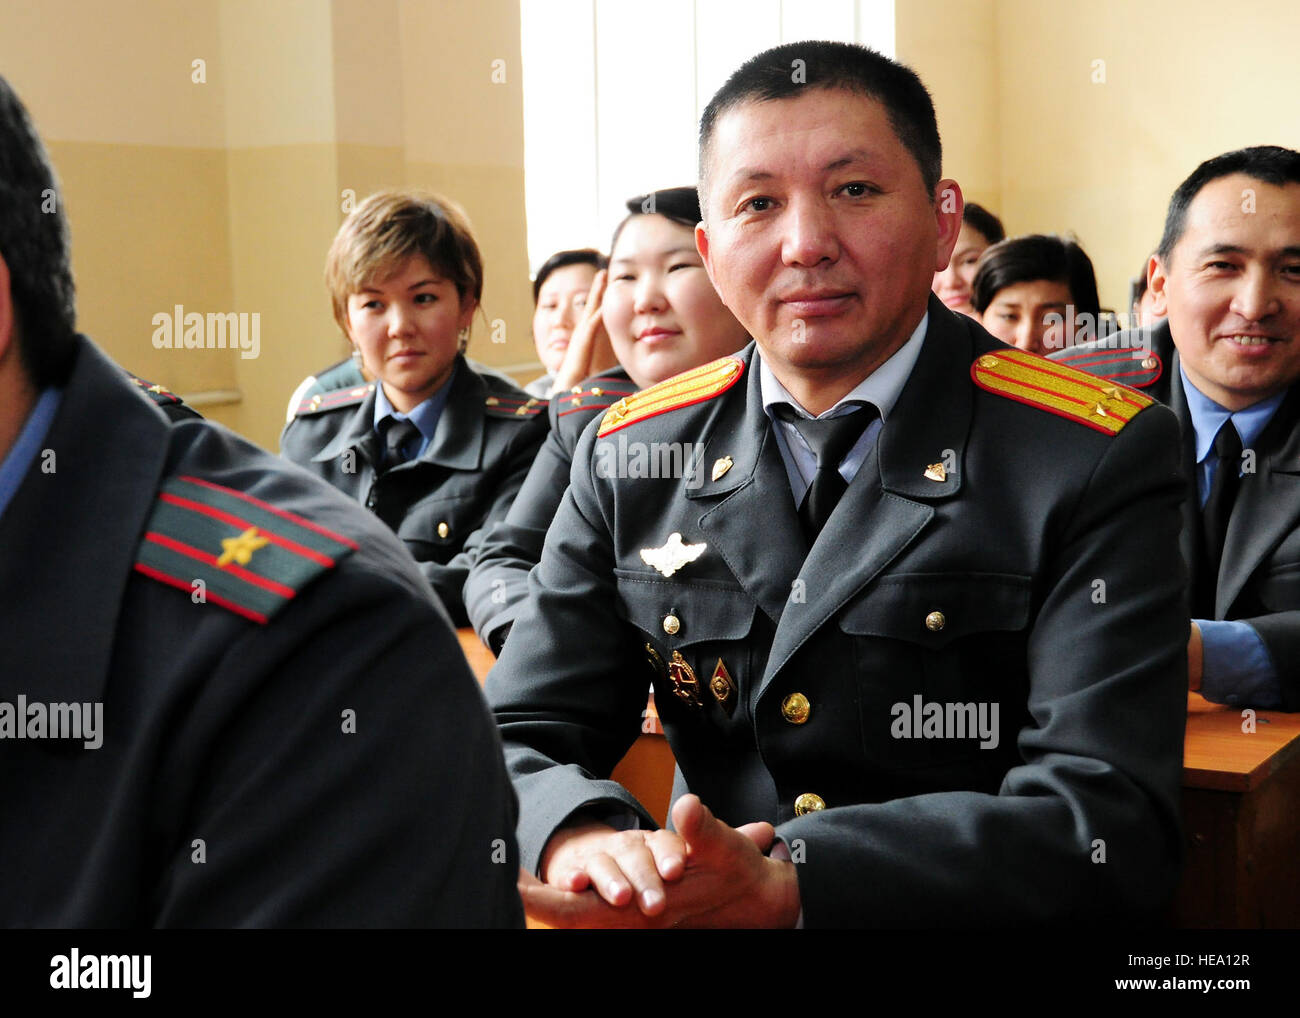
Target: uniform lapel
[[70, 536], [1267, 506], [1189, 540], [886, 507], [753, 495], [458, 442]]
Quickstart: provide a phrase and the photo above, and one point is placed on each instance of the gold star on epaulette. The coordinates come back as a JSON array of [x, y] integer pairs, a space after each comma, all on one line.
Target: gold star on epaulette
[[240, 549]]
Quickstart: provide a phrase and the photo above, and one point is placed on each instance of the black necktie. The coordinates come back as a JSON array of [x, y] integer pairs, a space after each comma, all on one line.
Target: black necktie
[[830, 440], [397, 437], [1218, 509]]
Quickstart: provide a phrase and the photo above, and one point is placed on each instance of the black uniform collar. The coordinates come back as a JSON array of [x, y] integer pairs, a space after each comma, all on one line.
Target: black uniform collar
[[70, 536]]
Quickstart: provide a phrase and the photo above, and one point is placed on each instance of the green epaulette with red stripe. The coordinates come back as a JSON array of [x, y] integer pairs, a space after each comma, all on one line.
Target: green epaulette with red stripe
[[333, 399], [226, 548], [519, 407], [597, 394], [1137, 368]]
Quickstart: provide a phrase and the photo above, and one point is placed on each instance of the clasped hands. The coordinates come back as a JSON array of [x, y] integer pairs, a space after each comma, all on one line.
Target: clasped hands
[[705, 874]]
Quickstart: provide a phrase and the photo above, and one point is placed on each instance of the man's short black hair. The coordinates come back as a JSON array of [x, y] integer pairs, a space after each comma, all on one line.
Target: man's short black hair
[[977, 217], [1033, 257], [563, 259], [35, 245], [788, 71], [1271, 164]]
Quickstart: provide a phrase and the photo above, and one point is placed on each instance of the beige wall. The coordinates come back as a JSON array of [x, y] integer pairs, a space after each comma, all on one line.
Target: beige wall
[[1183, 81], [223, 195]]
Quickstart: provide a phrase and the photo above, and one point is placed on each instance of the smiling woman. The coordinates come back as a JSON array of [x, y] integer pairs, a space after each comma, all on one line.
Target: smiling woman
[[434, 445]]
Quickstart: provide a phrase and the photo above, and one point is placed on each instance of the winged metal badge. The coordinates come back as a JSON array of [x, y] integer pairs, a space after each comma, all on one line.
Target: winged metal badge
[[673, 555]]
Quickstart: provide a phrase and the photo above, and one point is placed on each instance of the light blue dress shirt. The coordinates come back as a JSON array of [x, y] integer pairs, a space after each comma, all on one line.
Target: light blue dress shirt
[[1237, 667], [425, 417], [882, 387], [23, 452]]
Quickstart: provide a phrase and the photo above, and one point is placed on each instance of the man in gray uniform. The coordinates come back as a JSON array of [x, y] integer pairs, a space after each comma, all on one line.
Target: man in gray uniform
[[227, 697], [913, 609], [1226, 361]]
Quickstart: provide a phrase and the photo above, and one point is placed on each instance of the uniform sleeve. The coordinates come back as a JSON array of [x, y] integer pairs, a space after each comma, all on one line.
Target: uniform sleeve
[[1236, 666], [510, 546], [337, 769], [506, 477], [1088, 825], [566, 728], [1280, 632]]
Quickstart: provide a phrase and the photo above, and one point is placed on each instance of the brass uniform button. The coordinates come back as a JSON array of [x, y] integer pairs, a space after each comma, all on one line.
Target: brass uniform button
[[1149, 363], [443, 530], [808, 803], [597, 391], [935, 621], [795, 708], [671, 624], [988, 361]]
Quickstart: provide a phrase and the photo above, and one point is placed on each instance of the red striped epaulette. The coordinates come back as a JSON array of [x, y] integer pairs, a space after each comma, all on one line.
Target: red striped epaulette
[[522, 407], [597, 394], [1135, 367], [333, 399], [690, 387], [223, 546], [1100, 404], [160, 394]]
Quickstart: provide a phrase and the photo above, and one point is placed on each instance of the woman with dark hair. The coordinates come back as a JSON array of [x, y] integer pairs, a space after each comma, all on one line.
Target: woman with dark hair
[[1037, 292], [661, 315], [980, 228], [559, 295]]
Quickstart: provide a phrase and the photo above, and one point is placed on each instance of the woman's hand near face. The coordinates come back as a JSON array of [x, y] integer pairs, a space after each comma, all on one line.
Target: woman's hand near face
[[590, 351]]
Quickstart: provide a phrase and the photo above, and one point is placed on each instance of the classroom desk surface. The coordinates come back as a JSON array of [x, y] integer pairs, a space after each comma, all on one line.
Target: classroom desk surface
[[1220, 751], [1241, 803]]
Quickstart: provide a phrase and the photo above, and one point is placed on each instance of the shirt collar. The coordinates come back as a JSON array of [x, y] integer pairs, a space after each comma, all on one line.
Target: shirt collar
[[882, 387], [425, 416], [23, 452], [1208, 417]]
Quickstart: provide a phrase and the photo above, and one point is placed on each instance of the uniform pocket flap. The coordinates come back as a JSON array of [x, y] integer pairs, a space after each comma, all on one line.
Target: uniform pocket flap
[[679, 614], [933, 609]]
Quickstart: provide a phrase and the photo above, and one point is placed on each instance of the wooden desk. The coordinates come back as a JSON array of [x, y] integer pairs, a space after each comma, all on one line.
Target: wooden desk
[[1241, 806]]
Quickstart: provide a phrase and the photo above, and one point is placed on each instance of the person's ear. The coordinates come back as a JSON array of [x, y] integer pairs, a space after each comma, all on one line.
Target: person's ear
[[948, 206], [1157, 278], [702, 246]]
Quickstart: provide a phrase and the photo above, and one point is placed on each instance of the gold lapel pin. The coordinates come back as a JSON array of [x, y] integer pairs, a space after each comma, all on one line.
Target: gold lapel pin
[[723, 687], [936, 472], [721, 466], [685, 685]]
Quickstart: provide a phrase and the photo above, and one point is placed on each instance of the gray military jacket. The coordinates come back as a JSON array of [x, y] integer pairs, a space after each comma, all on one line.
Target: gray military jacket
[[487, 438], [996, 552]]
